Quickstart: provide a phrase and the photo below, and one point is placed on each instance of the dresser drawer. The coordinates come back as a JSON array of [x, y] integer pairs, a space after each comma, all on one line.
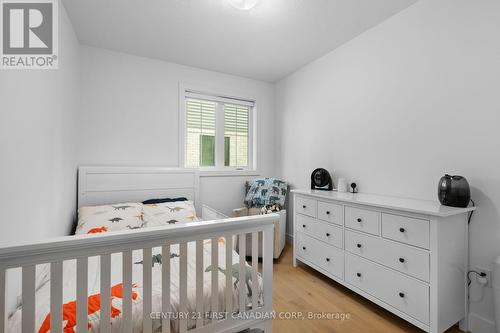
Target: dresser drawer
[[403, 293], [306, 206], [403, 258], [323, 231], [363, 220], [325, 256], [406, 230], [330, 212]]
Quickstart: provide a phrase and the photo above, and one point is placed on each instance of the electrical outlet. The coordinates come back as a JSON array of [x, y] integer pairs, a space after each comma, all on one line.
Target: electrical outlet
[[489, 275]]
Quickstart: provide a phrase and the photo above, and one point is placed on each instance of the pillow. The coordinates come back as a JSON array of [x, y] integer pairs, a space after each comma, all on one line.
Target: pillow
[[169, 213], [97, 219], [157, 201], [266, 191]]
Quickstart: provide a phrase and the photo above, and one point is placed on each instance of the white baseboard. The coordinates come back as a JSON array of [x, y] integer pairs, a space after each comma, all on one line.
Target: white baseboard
[[289, 239], [478, 324]]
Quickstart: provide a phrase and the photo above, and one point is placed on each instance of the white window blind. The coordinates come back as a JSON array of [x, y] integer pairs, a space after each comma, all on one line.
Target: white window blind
[[236, 135], [200, 133], [218, 132]]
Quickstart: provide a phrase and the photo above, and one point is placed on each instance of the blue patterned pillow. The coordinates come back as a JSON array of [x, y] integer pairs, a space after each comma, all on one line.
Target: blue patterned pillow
[[266, 191]]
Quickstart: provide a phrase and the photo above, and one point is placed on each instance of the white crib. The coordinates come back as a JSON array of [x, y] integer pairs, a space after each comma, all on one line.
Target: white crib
[[108, 185]]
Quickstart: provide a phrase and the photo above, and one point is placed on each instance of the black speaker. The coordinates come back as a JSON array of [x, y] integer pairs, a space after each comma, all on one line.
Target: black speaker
[[321, 180], [454, 191]]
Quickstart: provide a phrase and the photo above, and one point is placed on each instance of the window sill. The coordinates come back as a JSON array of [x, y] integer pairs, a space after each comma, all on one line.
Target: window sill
[[228, 173]]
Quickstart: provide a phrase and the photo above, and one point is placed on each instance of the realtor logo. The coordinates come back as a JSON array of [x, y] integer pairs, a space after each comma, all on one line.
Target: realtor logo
[[29, 34]]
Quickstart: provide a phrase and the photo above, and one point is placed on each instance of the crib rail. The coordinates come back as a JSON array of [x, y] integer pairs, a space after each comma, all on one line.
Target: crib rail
[[81, 248]]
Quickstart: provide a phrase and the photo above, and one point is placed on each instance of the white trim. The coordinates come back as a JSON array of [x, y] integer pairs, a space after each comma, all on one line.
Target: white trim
[[217, 90], [252, 138], [223, 95], [228, 173], [222, 99], [182, 125], [478, 324], [219, 139]]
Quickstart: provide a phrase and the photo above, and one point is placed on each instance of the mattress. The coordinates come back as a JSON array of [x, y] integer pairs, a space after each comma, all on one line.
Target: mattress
[[42, 296]]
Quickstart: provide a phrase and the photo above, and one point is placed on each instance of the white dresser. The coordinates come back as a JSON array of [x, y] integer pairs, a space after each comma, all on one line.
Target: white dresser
[[408, 256]]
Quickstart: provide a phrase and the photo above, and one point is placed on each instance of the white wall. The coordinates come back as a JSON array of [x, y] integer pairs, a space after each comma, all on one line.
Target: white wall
[[38, 148], [129, 115], [38, 143], [400, 105]]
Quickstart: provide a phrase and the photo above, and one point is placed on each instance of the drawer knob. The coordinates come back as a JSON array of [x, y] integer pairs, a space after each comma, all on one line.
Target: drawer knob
[[303, 247], [358, 274], [304, 206], [359, 219], [402, 230], [401, 260], [328, 259], [327, 212], [303, 226], [358, 245], [327, 234], [402, 295]]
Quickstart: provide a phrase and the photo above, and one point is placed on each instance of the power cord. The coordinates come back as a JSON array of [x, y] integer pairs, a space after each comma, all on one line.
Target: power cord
[[481, 274], [472, 212]]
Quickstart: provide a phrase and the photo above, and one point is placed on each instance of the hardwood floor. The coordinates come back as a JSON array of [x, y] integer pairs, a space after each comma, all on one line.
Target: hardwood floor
[[304, 290]]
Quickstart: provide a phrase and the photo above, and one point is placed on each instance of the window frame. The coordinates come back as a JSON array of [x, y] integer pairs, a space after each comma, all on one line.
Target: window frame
[[220, 96]]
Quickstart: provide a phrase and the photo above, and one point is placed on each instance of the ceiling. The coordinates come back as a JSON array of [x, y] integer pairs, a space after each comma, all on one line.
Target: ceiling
[[266, 43]]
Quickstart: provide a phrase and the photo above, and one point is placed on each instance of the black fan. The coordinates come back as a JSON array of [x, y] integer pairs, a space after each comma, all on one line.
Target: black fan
[[321, 180]]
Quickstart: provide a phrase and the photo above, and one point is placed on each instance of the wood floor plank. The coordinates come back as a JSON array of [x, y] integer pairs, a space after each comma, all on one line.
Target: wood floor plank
[[303, 289]]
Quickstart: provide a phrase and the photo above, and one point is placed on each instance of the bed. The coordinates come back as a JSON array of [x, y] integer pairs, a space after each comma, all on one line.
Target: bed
[[159, 278]]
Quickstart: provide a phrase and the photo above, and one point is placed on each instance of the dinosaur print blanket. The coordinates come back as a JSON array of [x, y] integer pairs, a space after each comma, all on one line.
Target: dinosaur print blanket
[[69, 289]]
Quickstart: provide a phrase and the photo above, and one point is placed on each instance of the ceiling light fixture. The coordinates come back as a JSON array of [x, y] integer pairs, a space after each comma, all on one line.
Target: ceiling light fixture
[[243, 4]]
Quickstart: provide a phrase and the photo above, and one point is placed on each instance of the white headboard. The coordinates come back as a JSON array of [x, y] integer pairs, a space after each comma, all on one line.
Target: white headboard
[[106, 185]]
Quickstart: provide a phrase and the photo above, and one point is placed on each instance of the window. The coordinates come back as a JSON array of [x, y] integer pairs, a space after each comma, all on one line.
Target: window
[[218, 132]]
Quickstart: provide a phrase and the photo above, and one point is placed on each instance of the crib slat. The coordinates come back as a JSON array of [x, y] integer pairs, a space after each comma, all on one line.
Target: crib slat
[[81, 294], [183, 286], [199, 283], [241, 273], [267, 266], [105, 316], [127, 291], [3, 291], [147, 289], [56, 295], [255, 269], [215, 276], [229, 277], [165, 287], [28, 283]]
